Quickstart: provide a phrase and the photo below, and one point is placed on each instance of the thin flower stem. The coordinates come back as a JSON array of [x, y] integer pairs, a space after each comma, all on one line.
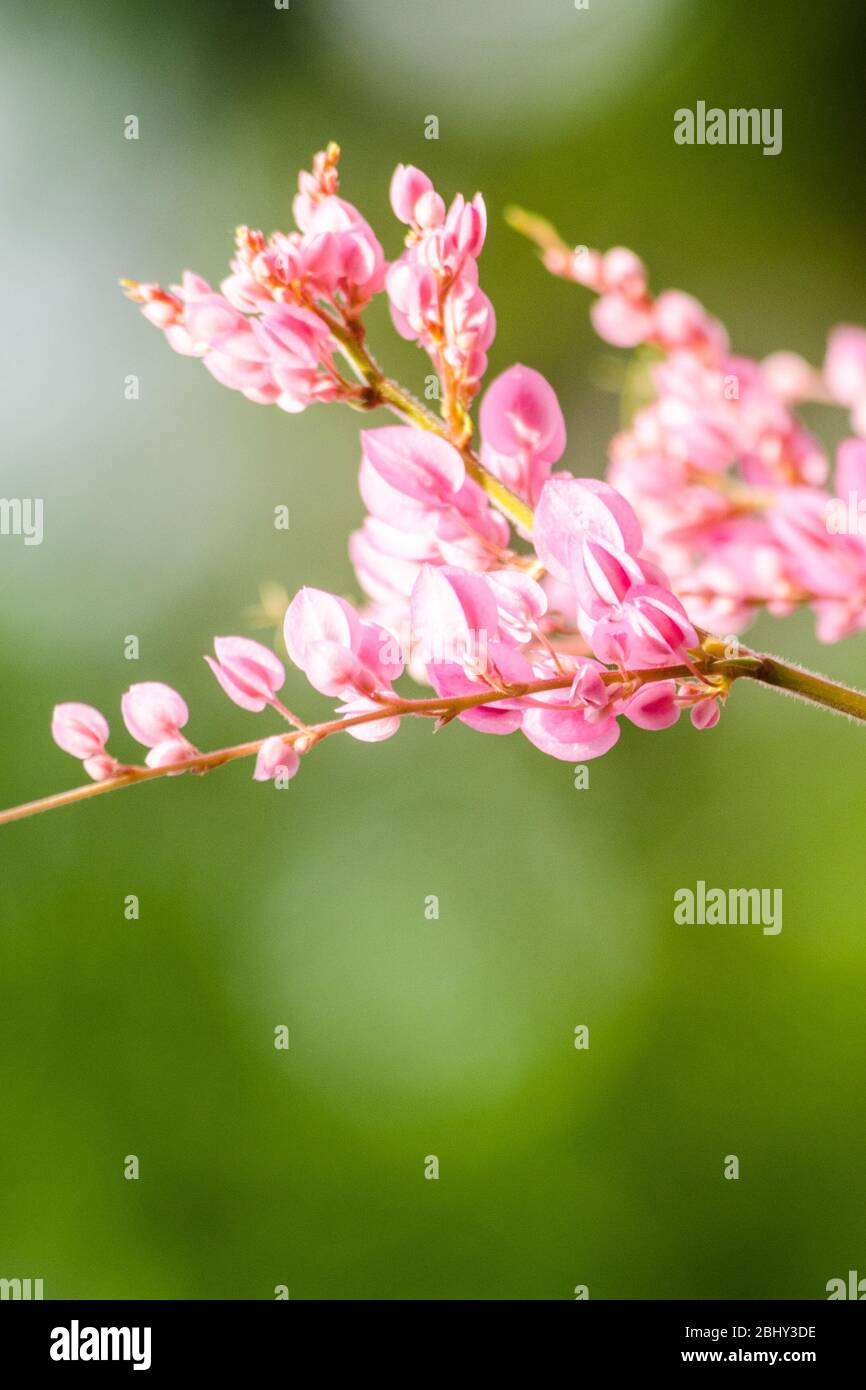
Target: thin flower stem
[[764, 669], [437, 707], [384, 391], [287, 714], [541, 232], [200, 763]]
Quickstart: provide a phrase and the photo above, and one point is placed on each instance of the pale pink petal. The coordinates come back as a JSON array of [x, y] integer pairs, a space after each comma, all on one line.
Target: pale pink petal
[[568, 507], [315, 616], [248, 672], [79, 729], [153, 712], [653, 705], [275, 758], [520, 414]]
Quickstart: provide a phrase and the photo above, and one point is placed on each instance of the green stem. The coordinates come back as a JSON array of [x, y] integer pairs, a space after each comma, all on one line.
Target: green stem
[[806, 686], [384, 391]]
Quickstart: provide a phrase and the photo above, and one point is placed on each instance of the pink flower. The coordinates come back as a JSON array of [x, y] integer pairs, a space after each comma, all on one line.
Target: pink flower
[[79, 729], [387, 559], [653, 705], [339, 253], [620, 321], [412, 293], [522, 429], [102, 766], [724, 478], [249, 673], [680, 321], [569, 508], [845, 370], [408, 187], [851, 468], [824, 564], [648, 628], [714, 505], [577, 724], [424, 511], [603, 574], [82, 731], [284, 356], [789, 376], [433, 287], [624, 273], [153, 712], [169, 751], [407, 475], [455, 619], [568, 734], [275, 758], [340, 654], [296, 345], [705, 713], [213, 323], [504, 667], [520, 601], [376, 730], [458, 641]]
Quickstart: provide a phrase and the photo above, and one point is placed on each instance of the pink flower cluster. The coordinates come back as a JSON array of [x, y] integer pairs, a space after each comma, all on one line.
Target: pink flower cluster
[[268, 333], [433, 287], [474, 633], [529, 600], [423, 509], [153, 713], [727, 481], [485, 631], [155, 716]]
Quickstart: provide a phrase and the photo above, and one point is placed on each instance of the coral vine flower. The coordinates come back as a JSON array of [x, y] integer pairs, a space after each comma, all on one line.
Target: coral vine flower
[[344, 656], [569, 509], [407, 478], [433, 287], [423, 510], [558, 624], [265, 334], [578, 724], [725, 479], [455, 620], [249, 673], [155, 714], [523, 430], [82, 731], [275, 757], [79, 729]]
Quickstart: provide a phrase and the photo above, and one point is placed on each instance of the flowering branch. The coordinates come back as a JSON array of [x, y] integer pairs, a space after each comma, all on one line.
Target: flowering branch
[[712, 509], [441, 709], [764, 669], [726, 481]]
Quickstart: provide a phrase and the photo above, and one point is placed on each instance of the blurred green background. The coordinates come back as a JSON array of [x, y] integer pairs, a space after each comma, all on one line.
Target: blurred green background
[[306, 907]]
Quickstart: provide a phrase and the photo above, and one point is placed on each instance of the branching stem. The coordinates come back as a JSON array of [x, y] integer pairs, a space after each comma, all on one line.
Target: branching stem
[[765, 669]]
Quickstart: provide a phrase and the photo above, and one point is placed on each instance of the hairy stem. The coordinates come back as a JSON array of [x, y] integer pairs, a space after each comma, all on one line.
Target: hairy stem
[[816, 689]]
